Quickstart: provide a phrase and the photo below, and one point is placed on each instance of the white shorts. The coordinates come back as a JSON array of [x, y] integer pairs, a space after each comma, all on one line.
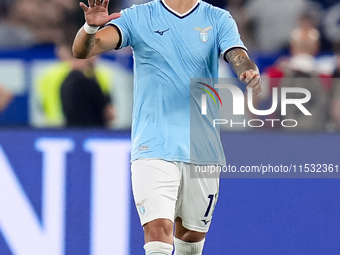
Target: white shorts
[[165, 190]]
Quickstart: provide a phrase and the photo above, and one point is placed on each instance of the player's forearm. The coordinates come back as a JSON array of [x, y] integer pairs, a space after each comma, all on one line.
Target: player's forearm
[[83, 44], [240, 61], [87, 45]]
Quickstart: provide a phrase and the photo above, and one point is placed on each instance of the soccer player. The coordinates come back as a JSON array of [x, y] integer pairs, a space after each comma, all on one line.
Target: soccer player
[[173, 41]]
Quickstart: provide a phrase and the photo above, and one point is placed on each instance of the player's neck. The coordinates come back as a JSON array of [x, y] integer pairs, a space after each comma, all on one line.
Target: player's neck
[[180, 6]]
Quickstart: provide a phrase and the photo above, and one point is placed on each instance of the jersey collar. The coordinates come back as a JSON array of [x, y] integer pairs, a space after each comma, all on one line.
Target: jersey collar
[[179, 15]]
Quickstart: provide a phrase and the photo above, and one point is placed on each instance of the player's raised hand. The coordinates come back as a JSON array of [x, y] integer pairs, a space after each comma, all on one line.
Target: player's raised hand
[[252, 78], [96, 14]]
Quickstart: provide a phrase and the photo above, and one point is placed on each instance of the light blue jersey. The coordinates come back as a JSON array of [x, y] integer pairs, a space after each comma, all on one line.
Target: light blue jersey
[[170, 49]]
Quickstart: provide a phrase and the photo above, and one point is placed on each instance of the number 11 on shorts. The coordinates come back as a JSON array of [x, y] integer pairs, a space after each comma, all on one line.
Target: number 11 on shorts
[[211, 199]]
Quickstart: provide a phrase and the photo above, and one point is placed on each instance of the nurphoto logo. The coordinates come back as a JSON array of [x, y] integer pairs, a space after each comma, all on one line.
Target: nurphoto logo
[[239, 101]]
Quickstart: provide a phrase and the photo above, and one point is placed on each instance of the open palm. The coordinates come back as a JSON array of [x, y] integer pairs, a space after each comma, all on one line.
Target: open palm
[[96, 14]]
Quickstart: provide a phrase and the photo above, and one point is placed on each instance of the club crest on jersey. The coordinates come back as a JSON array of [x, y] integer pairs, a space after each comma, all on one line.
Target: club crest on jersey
[[204, 36]]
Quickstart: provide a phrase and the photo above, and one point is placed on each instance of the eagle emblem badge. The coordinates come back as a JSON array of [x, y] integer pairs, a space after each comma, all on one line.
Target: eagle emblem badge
[[204, 36]]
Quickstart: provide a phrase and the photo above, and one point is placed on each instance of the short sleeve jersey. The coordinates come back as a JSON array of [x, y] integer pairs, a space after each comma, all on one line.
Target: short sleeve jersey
[[170, 49]]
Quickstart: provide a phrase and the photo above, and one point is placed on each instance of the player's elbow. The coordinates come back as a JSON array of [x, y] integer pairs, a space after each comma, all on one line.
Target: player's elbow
[[79, 54]]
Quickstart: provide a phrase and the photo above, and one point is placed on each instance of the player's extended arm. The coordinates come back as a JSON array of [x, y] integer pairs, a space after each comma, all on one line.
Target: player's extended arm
[[246, 70], [96, 14]]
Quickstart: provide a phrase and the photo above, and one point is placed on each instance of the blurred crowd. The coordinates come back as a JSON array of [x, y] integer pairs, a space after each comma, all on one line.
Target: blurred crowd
[[27, 22], [264, 25], [300, 32]]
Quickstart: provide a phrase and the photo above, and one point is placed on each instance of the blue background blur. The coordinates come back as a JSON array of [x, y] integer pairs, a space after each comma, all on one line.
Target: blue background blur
[[253, 216]]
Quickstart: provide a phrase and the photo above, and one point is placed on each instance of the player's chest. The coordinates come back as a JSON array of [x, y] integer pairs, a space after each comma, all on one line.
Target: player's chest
[[187, 39]]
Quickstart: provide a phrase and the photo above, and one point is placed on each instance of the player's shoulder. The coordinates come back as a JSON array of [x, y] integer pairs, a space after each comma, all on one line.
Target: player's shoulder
[[142, 7], [137, 11], [214, 11]]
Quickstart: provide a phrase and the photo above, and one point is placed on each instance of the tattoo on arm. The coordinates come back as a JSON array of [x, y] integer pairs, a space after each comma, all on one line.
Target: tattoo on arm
[[239, 60]]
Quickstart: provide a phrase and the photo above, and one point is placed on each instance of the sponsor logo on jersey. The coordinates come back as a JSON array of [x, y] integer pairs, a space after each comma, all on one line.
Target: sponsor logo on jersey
[[204, 36], [161, 32]]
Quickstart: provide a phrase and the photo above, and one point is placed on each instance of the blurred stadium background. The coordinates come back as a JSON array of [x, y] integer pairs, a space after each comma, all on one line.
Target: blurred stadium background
[[67, 191]]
